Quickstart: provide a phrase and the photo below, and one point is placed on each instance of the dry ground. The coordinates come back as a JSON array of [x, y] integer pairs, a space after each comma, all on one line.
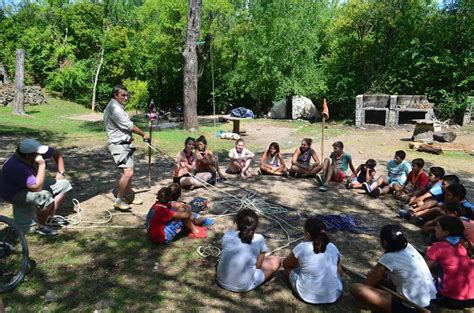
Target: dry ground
[[186, 281]]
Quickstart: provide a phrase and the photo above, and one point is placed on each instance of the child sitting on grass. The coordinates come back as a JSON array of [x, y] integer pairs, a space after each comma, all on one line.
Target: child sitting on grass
[[206, 161], [183, 206], [416, 183], [407, 271], [452, 208], [397, 170], [163, 223], [313, 266], [240, 160], [365, 173], [335, 170], [427, 206], [272, 162], [301, 165], [243, 265], [455, 255]]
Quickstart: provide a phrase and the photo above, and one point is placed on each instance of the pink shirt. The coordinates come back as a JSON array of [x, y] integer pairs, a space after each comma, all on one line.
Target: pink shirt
[[458, 270]]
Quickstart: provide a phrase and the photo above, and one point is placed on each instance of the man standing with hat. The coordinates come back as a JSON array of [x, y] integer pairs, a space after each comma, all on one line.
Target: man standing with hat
[[119, 130], [23, 183]]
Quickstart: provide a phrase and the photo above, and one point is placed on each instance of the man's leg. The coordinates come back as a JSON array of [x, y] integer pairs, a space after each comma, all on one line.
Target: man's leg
[[44, 213], [59, 188], [124, 189], [125, 183]]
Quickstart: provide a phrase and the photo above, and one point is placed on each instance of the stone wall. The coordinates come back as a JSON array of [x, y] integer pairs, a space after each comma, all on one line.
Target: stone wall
[[33, 95], [392, 107]]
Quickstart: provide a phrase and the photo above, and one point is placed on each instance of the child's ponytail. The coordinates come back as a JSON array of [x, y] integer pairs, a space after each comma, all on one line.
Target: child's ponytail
[[247, 221], [314, 226]]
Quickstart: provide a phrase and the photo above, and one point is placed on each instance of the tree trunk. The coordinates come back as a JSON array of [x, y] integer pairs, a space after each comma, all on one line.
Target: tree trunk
[[96, 79], [18, 102], [190, 71]]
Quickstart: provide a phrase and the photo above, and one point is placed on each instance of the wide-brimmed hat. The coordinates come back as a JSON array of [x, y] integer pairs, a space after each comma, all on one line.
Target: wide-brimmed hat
[[28, 146]]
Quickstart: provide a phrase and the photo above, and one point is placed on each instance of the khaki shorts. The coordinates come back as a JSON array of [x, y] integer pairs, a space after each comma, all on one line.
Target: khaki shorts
[[26, 202], [122, 154]]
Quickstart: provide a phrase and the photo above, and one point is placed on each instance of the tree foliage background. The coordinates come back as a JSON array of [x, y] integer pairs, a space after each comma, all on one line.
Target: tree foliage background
[[261, 50]]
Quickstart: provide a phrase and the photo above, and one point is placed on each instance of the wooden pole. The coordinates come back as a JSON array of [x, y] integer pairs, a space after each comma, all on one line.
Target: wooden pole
[[322, 138], [150, 127], [390, 291], [324, 117]]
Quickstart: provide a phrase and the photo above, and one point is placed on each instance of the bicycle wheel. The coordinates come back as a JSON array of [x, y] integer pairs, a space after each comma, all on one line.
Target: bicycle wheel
[[13, 255]]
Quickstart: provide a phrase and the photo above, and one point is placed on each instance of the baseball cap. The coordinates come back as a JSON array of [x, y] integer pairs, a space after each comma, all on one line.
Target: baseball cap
[[28, 146]]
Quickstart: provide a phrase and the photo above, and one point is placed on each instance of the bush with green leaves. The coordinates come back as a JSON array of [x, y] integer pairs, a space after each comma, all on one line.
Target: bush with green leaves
[[138, 91]]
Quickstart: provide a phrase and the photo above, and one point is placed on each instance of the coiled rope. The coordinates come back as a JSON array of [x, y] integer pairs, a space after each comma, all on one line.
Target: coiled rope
[[77, 219]]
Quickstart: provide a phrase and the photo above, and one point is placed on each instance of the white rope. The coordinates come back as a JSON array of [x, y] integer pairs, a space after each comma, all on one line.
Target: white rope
[[77, 219], [209, 250], [250, 201]]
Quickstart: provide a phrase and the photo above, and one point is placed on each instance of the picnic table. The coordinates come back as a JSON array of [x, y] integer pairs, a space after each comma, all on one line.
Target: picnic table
[[235, 123]]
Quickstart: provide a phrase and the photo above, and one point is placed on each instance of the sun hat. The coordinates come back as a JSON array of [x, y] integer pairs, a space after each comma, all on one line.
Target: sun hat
[[28, 146]]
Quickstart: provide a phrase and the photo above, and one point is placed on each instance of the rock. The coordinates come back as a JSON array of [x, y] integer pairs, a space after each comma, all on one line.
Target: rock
[[301, 108], [425, 137], [444, 136], [304, 108], [33, 95], [278, 109], [50, 296]]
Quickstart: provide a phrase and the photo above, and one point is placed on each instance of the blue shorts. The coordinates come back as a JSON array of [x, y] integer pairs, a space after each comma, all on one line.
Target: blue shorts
[[293, 278], [172, 229]]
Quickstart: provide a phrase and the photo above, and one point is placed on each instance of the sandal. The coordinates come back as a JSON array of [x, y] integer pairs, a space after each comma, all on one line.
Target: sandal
[[202, 233]]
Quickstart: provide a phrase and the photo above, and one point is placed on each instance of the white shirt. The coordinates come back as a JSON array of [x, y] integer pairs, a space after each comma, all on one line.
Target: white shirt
[[245, 154], [118, 125], [237, 265], [318, 280], [410, 273]]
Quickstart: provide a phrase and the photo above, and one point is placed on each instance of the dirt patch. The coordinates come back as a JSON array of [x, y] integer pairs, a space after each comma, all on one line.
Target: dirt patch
[[91, 117]]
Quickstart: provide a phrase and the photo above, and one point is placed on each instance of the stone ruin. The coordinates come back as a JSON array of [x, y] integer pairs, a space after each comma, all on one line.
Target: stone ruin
[[33, 94], [392, 110]]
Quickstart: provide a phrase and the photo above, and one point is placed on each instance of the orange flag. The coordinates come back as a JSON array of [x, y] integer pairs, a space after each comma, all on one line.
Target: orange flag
[[325, 112]]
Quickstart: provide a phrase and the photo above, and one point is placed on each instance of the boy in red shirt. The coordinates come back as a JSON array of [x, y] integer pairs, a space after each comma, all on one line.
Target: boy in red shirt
[[163, 223], [416, 183]]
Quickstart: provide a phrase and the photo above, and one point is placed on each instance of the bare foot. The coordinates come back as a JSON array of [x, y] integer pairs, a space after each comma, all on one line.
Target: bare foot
[[243, 175], [248, 174]]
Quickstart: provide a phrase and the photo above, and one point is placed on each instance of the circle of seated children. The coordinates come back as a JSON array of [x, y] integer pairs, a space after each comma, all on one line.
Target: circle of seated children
[[408, 271]]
